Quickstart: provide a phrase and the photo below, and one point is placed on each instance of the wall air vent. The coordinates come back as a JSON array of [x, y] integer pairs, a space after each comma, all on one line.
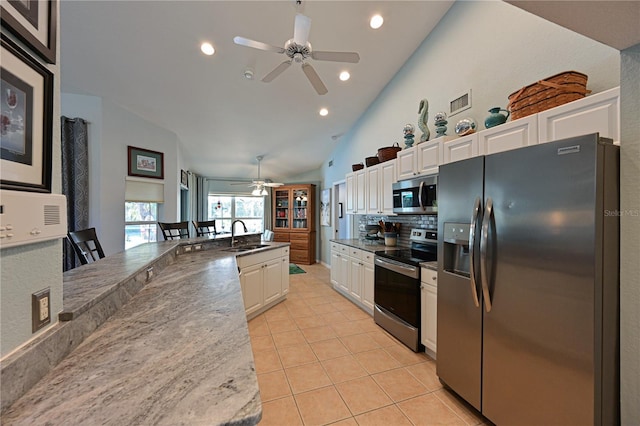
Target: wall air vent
[[51, 215], [460, 103]]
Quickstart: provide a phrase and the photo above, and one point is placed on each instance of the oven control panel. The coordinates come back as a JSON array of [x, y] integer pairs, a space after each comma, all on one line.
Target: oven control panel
[[420, 235]]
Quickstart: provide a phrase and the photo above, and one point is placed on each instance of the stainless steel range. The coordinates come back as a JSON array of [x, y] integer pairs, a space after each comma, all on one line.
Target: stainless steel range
[[397, 287]]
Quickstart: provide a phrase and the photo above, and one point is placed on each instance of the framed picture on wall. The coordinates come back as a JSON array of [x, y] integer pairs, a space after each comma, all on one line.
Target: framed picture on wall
[[34, 23], [26, 120], [184, 179], [145, 163], [325, 207]]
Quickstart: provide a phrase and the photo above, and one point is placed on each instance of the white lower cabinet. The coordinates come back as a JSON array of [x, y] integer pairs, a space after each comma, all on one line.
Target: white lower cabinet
[[264, 278], [352, 274], [429, 310]]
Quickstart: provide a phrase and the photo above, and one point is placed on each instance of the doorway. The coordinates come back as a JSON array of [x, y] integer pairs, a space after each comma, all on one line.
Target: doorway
[[341, 229]]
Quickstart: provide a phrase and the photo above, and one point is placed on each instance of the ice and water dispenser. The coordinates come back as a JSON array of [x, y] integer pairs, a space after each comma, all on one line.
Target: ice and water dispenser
[[456, 248]]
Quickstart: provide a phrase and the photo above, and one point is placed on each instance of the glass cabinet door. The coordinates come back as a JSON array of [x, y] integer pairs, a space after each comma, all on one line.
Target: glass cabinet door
[[282, 209], [299, 213]]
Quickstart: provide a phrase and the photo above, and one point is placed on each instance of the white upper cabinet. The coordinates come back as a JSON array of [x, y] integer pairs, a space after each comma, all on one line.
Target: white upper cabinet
[[460, 148], [379, 181], [596, 113], [422, 159], [356, 192], [406, 162], [507, 136]]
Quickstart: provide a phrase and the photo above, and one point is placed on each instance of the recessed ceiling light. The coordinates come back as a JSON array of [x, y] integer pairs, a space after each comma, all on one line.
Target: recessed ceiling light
[[207, 48], [376, 22], [324, 112], [344, 75]]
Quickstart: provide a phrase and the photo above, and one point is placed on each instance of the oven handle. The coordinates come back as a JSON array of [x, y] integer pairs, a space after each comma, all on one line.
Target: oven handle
[[401, 268]]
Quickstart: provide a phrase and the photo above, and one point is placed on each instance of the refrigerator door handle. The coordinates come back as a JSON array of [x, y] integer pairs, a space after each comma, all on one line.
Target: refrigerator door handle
[[420, 195], [472, 244], [484, 236]]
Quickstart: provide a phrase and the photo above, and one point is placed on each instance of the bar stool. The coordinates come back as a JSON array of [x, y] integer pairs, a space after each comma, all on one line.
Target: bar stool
[[205, 228], [86, 245], [174, 231]]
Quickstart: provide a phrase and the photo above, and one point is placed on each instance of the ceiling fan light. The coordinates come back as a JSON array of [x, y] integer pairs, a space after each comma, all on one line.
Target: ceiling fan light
[[264, 192], [376, 21], [256, 191], [207, 49]]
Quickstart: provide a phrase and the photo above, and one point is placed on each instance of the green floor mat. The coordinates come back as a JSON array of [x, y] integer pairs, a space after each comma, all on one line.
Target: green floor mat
[[295, 269]]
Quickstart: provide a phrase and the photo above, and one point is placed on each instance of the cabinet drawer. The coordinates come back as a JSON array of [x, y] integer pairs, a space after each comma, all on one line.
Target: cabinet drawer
[[355, 253], [281, 237], [367, 256], [299, 245], [299, 237], [429, 276]]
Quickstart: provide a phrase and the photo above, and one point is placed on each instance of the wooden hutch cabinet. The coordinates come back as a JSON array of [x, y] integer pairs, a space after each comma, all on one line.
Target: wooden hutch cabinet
[[294, 220]]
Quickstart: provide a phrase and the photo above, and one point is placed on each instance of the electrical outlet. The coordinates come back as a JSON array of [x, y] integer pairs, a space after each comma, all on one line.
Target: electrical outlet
[[187, 249], [198, 247], [149, 273], [40, 309]]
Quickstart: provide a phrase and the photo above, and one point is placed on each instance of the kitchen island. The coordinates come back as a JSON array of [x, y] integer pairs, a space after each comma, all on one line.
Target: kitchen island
[[177, 353]]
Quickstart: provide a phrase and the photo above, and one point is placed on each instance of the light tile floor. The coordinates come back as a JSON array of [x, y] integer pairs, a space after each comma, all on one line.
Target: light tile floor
[[322, 360]]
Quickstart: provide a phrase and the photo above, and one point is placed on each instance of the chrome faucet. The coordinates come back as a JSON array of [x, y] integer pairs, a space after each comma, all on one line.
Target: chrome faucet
[[233, 240]]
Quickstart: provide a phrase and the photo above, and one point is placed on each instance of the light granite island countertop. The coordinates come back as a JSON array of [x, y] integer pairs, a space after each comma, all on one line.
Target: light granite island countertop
[[178, 353]]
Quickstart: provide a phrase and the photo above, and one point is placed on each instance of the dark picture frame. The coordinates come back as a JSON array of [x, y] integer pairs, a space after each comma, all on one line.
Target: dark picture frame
[[340, 213], [26, 120], [184, 179], [33, 22], [145, 163]]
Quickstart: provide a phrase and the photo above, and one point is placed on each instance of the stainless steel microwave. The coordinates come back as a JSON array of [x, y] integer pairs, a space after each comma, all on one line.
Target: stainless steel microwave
[[416, 196]]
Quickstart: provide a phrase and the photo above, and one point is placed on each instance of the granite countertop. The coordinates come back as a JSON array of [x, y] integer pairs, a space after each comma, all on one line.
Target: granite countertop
[[366, 245], [177, 353]]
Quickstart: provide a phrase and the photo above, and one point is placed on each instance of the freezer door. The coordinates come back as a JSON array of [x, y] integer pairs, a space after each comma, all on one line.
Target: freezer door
[[459, 319], [538, 353]]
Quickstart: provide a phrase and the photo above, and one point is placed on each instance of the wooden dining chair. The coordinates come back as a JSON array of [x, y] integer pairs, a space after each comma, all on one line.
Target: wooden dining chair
[[174, 231], [204, 228], [86, 245]]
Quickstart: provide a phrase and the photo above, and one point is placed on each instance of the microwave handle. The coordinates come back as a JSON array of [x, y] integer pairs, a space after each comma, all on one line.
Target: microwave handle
[[420, 195]]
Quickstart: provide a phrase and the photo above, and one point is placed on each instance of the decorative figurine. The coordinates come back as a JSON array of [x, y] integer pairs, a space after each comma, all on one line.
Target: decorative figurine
[[466, 126], [423, 110], [496, 118], [408, 135], [440, 120]]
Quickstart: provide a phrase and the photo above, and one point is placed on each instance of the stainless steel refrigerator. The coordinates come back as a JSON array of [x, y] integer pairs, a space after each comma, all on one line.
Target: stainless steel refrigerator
[[528, 283]]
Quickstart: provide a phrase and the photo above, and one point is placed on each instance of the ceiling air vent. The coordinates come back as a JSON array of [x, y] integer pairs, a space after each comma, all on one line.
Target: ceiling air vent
[[51, 215], [460, 103]]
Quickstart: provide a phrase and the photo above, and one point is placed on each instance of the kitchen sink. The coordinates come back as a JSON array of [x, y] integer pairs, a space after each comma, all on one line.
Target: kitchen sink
[[240, 249]]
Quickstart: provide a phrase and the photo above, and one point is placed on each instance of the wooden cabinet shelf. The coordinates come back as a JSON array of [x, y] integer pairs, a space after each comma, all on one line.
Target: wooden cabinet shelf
[[294, 220]]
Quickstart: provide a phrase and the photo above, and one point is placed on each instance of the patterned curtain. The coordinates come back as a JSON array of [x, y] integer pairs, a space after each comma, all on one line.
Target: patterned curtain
[[75, 181]]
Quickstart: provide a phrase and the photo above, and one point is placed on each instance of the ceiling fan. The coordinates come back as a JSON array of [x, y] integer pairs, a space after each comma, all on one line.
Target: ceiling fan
[[258, 184], [298, 49]]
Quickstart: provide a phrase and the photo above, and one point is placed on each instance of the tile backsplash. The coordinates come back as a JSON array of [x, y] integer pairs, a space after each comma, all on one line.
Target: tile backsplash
[[407, 222]]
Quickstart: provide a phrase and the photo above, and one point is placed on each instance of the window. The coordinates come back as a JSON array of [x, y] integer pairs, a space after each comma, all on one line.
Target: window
[[139, 223], [227, 208]]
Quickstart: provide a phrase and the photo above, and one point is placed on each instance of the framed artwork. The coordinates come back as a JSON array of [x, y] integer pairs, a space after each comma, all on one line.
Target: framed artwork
[[145, 163], [184, 179], [34, 23], [325, 207], [26, 120]]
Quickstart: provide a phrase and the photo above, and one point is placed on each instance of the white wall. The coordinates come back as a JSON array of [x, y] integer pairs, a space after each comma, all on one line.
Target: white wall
[[493, 49], [27, 269], [111, 129], [629, 236]]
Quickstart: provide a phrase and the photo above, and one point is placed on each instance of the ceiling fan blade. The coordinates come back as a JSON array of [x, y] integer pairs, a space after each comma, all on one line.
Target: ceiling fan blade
[[351, 57], [257, 44], [276, 72], [314, 79], [301, 29], [273, 184]]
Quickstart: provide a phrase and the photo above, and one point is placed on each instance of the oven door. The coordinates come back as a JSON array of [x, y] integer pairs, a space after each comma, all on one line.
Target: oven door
[[397, 289]]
